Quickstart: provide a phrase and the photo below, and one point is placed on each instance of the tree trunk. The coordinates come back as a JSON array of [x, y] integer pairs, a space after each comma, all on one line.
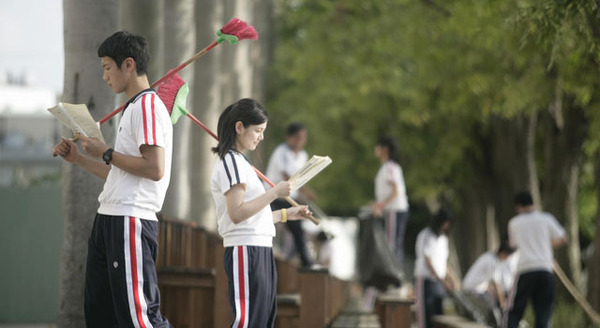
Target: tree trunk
[[475, 231], [86, 24], [513, 163], [593, 286], [566, 130], [227, 74], [180, 39], [146, 18], [206, 106]]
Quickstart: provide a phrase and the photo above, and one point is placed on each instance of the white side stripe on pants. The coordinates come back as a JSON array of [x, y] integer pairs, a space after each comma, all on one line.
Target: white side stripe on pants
[[241, 286], [134, 273]]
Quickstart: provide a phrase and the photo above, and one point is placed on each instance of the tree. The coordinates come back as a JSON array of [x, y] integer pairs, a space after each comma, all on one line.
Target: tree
[[180, 39], [469, 88], [86, 24], [146, 18]]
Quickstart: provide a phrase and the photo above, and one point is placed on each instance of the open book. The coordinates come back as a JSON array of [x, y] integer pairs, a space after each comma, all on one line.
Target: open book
[[315, 165], [77, 118]]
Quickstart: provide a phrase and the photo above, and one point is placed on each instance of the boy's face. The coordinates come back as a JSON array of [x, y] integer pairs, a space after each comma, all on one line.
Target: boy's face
[[116, 78]]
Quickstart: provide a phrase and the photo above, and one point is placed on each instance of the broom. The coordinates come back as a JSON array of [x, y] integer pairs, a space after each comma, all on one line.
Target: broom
[[173, 92], [233, 32]]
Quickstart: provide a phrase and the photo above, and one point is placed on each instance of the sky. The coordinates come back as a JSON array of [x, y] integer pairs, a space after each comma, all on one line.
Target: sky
[[31, 34]]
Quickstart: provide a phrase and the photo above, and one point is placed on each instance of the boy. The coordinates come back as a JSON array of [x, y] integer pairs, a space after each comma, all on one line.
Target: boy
[[121, 287], [286, 159], [535, 234]]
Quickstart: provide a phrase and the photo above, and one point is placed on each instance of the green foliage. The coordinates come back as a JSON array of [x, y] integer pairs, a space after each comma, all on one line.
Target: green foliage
[[355, 70]]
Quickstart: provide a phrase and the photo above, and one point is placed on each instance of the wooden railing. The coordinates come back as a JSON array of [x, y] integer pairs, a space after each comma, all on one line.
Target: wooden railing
[[193, 283]]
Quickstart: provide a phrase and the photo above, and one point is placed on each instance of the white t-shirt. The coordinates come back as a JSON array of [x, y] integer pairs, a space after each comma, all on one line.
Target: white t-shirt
[[257, 230], [284, 161], [391, 172], [145, 121], [486, 268], [531, 233], [434, 247]]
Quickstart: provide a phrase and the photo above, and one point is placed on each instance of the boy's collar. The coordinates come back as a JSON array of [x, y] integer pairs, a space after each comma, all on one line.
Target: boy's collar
[[136, 97]]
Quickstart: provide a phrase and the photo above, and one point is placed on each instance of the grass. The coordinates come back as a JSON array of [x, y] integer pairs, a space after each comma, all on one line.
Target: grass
[[566, 314]]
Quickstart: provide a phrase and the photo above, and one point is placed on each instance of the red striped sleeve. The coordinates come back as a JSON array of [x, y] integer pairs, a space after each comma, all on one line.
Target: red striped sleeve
[[144, 119], [153, 122]]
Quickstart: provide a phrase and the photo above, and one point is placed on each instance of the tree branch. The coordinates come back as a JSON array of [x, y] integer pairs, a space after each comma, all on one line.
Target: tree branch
[[437, 8]]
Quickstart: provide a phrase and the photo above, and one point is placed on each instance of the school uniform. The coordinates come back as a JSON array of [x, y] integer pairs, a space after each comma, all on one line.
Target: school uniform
[[531, 233], [285, 162], [121, 288], [487, 268], [430, 292], [396, 211], [248, 258]]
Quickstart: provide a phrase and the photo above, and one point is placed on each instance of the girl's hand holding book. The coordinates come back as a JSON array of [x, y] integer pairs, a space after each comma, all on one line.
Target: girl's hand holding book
[[282, 189]]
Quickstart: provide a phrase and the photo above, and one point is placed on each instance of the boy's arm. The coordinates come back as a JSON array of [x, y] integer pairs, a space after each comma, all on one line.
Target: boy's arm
[[68, 150], [150, 166]]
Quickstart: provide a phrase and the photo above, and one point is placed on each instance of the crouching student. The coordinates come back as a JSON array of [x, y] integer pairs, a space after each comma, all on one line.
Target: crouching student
[[245, 220]]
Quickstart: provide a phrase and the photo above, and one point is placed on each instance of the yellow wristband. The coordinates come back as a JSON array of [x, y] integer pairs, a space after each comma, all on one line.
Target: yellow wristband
[[283, 215]]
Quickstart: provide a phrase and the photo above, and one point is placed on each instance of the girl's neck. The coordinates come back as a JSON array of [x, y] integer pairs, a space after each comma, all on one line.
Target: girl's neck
[[238, 147], [384, 158]]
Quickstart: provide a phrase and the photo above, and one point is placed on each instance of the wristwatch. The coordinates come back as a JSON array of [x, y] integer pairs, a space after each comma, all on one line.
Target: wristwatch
[[107, 156]]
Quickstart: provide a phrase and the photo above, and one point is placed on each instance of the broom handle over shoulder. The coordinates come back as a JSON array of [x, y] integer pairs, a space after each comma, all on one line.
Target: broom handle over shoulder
[[162, 79]]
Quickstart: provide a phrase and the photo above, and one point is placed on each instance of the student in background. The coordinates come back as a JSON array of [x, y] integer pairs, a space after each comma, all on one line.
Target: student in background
[[534, 234], [391, 201], [288, 158], [491, 275], [488, 281], [432, 273]]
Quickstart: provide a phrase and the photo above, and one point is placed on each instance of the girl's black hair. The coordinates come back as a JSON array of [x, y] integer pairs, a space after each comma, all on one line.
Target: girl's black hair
[[247, 111], [122, 45], [392, 147], [438, 220]]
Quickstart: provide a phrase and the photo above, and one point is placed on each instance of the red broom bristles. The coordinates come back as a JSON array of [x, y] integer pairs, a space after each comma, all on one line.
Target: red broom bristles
[[248, 33], [233, 26]]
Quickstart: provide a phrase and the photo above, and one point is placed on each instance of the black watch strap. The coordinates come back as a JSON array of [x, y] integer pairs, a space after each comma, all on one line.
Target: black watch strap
[[107, 156]]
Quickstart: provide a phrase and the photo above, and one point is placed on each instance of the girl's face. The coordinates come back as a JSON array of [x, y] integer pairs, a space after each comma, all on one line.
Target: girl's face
[[380, 152], [249, 137]]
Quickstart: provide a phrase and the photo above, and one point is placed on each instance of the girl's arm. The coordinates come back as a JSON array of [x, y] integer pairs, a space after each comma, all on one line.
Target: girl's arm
[[293, 213], [239, 210]]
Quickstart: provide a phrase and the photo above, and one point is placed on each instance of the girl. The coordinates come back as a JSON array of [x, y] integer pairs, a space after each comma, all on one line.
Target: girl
[[390, 195], [245, 220]]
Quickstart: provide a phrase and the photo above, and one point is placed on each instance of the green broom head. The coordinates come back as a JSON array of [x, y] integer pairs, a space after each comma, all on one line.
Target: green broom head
[[235, 31], [179, 105], [173, 93]]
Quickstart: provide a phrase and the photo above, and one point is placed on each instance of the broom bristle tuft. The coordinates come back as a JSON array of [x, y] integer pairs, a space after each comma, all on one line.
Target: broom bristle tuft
[[240, 29], [234, 26], [248, 33], [167, 91]]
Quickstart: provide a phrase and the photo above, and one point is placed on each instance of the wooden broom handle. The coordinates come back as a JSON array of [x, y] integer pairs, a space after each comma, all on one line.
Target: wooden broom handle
[[575, 293]]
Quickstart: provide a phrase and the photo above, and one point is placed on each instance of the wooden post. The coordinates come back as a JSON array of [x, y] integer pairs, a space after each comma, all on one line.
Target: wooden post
[[394, 311], [314, 293], [223, 316]]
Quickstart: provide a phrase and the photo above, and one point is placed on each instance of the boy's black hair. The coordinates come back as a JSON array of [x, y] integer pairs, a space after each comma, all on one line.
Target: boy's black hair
[[122, 45], [294, 128], [438, 220], [392, 147], [247, 111], [523, 198], [505, 248]]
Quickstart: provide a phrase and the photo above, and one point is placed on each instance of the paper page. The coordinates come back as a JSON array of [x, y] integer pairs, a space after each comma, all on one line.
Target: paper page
[[77, 118], [315, 165]]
